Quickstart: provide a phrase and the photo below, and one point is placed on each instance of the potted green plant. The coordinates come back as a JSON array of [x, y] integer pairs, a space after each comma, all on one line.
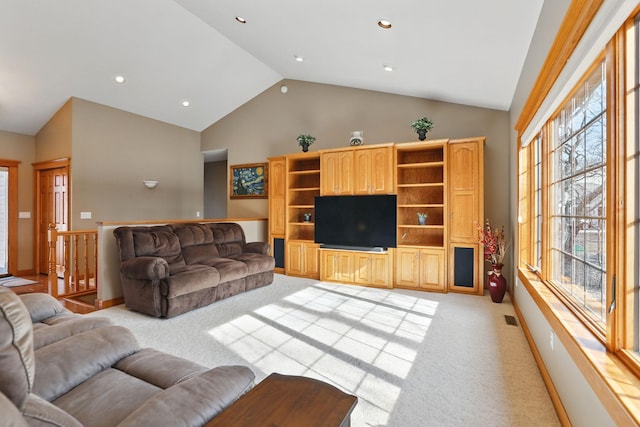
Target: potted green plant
[[422, 126], [305, 141], [422, 218]]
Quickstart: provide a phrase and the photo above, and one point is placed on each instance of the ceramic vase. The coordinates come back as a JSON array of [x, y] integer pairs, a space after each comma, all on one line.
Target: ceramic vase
[[496, 283], [422, 134]]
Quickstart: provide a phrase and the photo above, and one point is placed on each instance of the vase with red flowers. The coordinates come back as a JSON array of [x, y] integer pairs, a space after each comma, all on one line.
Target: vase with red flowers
[[495, 246]]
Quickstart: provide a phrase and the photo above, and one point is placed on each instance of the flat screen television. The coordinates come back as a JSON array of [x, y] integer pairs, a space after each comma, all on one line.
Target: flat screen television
[[356, 222]]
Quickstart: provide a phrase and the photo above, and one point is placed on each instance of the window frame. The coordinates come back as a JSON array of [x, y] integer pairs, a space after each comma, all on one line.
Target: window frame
[[616, 359]]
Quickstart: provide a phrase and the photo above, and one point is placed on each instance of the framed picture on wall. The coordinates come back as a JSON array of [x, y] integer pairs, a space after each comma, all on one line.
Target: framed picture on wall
[[248, 181]]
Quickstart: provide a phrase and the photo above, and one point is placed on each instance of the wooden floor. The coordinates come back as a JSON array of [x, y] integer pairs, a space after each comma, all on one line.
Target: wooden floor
[[76, 306]]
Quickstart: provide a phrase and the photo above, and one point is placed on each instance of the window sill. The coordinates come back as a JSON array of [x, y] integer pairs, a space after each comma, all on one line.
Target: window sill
[[612, 381]]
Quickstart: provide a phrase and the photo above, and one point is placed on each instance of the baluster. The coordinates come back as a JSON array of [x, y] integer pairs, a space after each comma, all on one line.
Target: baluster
[[76, 262], [66, 263], [52, 279], [85, 242]]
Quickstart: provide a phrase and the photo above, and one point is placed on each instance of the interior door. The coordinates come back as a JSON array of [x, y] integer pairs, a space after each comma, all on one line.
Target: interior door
[[53, 208]]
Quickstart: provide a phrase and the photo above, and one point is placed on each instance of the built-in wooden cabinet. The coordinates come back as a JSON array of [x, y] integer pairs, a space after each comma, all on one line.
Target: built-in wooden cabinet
[[466, 211], [443, 178], [420, 268], [302, 182], [277, 196], [360, 267], [337, 172], [277, 209]]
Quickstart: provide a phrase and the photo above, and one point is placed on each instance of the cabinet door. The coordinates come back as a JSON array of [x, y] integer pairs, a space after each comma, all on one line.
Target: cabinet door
[[380, 270], [277, 191], [311, 261], [432, 269], [381, 172], [408, 267], [464, 184], [373, 171], [301, 259], [294, 259], [362, 179], [337, 173], [345, 267], [328, 265]]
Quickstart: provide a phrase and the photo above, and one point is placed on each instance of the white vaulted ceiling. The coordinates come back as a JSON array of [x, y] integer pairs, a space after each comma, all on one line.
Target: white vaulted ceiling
[[463, 51]]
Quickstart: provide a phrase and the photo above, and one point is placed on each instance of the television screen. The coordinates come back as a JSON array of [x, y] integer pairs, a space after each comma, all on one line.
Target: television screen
[[365, 222]]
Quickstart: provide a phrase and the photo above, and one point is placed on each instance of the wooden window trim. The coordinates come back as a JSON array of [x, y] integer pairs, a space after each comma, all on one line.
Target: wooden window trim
[[575, 23]]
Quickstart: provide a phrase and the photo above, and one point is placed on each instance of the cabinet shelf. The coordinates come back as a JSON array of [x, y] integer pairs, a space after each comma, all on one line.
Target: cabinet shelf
[[421, 184], [305, 224], [302, 206], [422, 205], [305, 189], [305, 172], [421, 165], [426, 226]]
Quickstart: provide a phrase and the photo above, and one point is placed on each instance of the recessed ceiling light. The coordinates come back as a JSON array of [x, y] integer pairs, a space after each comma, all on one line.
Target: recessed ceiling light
[[241, 20], [298, 58], [387, 67], [119, 79], [383, 23], [185, 103]]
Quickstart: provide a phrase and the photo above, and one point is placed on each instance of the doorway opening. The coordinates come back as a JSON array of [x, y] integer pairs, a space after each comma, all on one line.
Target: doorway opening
[[4, 221], [215, 183]]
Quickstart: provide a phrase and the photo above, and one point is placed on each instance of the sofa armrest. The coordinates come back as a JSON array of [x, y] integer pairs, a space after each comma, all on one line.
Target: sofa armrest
[[262, 248], [42, 306], [39, 412], [145, 268], [195, 401]]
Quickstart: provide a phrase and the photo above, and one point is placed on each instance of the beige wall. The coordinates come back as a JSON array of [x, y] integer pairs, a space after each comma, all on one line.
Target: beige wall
[[269, 124], [114, 151], [53, 141], [18, 147]]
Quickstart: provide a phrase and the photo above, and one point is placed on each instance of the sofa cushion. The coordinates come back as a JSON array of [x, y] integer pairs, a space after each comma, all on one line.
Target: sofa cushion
[[228, 268], [195, 401], [163, 244], [74, 325], [64, 364], [17, 361], [256, 263], [228, 237], [160, 369], [105, 399], [189, 278]]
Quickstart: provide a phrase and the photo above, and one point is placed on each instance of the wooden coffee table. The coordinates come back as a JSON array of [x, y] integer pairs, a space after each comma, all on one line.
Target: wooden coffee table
[[289, 401]]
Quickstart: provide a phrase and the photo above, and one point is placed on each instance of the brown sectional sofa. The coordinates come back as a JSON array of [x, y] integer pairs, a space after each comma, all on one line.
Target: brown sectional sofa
[[167, 270], [64, 369]]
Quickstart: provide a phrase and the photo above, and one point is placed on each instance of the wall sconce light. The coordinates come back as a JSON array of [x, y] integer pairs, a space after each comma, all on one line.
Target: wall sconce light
[[150, 184]]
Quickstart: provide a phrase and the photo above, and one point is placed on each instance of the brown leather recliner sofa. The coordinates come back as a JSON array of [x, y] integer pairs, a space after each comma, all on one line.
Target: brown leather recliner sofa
[[167, 270], [63, 369]]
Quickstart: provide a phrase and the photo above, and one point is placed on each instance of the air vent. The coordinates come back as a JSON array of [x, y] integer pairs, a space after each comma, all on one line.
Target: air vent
[[510, 320]]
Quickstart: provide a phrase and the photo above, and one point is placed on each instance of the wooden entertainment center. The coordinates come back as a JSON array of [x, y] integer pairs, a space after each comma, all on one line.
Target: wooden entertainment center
[[443, 178]]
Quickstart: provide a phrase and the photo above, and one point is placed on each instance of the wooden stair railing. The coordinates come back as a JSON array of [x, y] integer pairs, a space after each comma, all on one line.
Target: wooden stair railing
[[72, 262]]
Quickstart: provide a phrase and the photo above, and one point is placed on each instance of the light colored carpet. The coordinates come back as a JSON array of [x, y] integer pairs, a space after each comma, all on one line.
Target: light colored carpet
[[10, 281], [412, 358]]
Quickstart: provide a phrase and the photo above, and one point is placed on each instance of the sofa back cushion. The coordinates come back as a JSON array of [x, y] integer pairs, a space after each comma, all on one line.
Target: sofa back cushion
[[197, 243], [228, 237], [17, 361], [155, 241]]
